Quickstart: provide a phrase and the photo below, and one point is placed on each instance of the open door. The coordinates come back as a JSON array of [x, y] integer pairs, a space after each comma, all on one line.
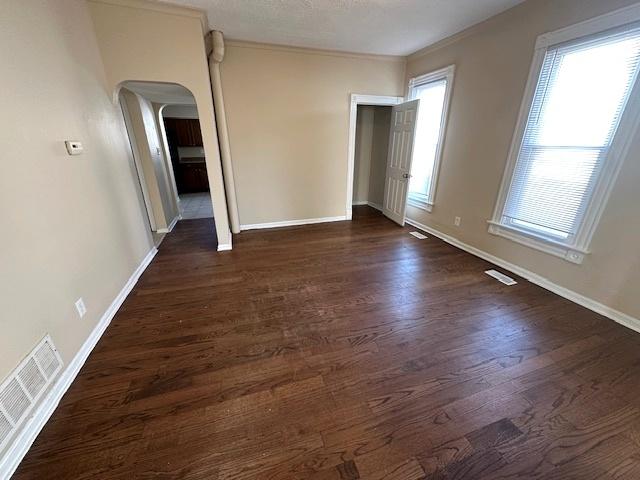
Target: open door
[[401, 137]]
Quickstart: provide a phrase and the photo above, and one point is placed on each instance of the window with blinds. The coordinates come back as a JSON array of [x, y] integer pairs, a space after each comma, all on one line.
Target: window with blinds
[[582, 90]]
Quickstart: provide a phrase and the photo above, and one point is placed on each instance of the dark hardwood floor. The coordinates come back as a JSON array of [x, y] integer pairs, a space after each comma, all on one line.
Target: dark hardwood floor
[[349, 350]]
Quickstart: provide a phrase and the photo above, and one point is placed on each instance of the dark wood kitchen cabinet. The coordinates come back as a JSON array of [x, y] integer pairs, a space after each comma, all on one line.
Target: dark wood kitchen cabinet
[[194, 177], [190, 173], [188, 132]]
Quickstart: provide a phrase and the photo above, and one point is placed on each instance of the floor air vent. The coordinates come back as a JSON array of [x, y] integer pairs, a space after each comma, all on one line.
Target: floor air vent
[[20, 392], [501, 277]]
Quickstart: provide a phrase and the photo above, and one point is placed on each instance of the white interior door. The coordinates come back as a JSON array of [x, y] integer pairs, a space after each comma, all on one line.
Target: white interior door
[[401, 137]]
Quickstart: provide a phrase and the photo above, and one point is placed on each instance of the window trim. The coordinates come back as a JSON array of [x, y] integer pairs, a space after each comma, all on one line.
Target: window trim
[[421, 201], [576, 250]]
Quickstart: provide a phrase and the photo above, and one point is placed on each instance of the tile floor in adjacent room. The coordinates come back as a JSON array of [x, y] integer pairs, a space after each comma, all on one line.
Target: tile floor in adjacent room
[[196, 205]]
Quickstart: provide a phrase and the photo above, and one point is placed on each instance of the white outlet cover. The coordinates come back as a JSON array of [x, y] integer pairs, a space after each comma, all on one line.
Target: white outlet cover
[[80, 307], [456, 221]]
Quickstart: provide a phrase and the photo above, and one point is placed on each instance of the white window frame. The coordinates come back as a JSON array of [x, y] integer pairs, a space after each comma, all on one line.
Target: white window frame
[[425, 202], [575, 251]]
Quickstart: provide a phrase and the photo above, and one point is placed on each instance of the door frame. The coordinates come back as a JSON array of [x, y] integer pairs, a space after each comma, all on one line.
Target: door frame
[[167, 157], [354, 101], [137, 162]]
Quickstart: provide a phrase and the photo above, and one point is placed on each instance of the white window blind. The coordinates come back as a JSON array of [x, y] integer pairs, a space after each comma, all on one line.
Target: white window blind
[[581, 94]]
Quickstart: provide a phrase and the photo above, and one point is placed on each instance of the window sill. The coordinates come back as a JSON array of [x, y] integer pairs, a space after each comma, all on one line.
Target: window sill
[[571, 254], [418, 203]]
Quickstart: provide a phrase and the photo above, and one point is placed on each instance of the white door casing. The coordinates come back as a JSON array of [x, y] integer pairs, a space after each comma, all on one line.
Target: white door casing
[[355, 101], [401, 138], [138, 165]]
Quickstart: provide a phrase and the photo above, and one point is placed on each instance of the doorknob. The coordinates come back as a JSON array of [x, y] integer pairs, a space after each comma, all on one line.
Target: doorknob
[[406, 175]]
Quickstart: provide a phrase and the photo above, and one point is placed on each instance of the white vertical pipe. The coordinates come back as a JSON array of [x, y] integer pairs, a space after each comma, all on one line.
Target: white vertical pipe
[[215, 57]]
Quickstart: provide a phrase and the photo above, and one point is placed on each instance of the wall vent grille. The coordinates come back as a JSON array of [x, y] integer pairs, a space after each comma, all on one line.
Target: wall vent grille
[[14, 400], [5, 428], [418, 235], [501, 277], [20, 392]]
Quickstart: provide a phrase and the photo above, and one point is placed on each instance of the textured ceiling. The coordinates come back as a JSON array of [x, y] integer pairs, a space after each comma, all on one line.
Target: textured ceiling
[[392, 27]]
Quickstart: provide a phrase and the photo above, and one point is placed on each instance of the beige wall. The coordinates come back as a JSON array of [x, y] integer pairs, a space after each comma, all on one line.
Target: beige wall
[[379, 152], [362, 155], [370, 158], [492, 63], [152, 42], [145, 132], [74, 225], [288, 114]]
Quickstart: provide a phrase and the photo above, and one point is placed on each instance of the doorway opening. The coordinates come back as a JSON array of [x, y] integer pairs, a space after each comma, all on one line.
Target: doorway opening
[[167, 155], [363, 185], [370, 154], [184, 141], [363, 178]]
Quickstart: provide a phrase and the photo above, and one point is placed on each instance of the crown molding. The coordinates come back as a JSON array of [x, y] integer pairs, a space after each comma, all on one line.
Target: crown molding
[[312, 51]]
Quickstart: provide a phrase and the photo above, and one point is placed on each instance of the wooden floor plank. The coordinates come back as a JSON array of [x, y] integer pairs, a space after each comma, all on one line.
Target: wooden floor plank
[[346, 350]]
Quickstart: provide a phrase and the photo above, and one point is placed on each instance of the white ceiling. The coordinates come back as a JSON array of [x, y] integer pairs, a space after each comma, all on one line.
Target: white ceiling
[[170, 93], [392, 27]]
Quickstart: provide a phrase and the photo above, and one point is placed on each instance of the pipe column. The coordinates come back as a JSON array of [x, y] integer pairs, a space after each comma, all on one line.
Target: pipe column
[[215, 46]]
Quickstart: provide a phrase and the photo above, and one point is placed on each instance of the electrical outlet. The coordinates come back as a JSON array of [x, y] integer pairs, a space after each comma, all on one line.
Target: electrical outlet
[[80, 307], [456, 221]]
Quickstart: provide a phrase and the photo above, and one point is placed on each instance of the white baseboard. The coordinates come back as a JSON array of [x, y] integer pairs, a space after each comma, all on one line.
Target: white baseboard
[[377, 206], [291, 223], [615, 315], [171, 225], [27, 435], [174, 222], [223, 247]]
